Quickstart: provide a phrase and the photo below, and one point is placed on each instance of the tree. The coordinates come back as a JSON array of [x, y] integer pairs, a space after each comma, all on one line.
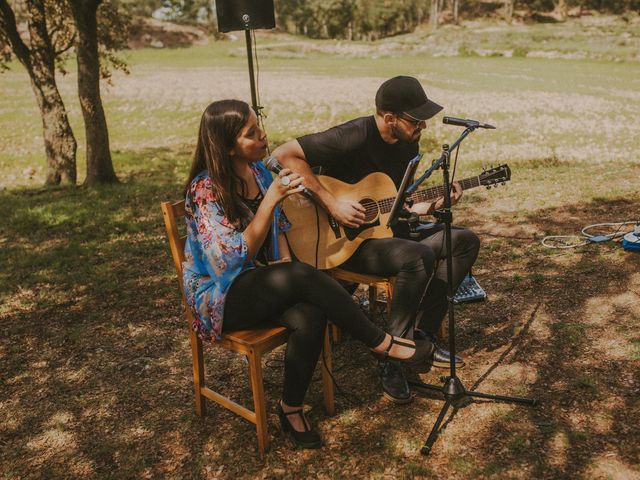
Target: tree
[[560, 8], [99, 163], [455, 7], [54, 26], [38, 56], [508, 10], [434, 16]]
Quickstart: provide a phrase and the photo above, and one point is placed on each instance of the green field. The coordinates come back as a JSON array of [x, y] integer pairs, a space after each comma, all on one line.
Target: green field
[[95, 377], [566, 110]]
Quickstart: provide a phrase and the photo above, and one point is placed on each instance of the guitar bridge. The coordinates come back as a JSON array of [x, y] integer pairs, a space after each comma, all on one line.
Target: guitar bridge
[[334, 226], [352, 233]]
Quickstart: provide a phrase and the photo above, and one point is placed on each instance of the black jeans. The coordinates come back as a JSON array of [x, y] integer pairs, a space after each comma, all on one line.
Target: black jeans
[[301, 298], [412, 263], [420, 294], [465, 246]]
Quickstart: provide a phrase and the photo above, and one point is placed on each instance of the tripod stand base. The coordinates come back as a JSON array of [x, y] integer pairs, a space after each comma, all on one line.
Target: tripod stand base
[[453, 390]]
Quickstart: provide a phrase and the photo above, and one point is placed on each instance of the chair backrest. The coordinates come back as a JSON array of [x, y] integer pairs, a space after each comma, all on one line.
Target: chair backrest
[[172, 212]]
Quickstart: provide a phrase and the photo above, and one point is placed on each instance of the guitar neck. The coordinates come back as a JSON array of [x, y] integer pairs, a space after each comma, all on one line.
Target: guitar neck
[[430, 194]]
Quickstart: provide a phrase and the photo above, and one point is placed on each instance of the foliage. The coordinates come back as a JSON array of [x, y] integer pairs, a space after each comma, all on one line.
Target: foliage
[[353, 19], [371, 19], [114, 21]]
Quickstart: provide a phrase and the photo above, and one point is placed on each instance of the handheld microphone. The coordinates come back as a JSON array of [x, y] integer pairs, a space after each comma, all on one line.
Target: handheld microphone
[[272, 164], [460, 122]]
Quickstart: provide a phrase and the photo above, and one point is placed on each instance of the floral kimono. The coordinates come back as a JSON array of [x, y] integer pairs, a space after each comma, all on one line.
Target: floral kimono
[[215, 251]]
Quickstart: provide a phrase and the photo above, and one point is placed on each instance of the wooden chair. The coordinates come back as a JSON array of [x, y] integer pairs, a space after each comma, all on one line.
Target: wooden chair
[[251, 343], [374, 282]]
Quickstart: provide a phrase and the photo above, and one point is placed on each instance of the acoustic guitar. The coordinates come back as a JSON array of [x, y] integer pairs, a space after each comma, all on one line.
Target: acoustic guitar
[[317, 239]]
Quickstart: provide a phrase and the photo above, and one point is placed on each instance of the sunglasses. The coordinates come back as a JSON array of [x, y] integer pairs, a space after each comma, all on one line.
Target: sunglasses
[[410, 120]]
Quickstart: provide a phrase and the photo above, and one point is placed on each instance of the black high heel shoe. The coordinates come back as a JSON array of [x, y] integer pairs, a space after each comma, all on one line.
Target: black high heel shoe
[[307, 439], [423, 351]]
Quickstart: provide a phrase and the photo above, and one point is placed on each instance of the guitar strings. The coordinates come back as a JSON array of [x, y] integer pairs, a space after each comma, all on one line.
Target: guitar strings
[[385, 205]]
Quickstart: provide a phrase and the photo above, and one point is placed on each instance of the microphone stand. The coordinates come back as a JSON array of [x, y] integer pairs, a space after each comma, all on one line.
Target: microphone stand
[[252, 81], [275, 250], [452, 389]]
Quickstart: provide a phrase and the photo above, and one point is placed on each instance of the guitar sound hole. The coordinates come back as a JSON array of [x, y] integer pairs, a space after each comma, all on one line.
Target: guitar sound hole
[[371, 208]]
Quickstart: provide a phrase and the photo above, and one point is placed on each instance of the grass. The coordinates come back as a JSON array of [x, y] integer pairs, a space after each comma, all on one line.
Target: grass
[[95, 369], [549, 112]]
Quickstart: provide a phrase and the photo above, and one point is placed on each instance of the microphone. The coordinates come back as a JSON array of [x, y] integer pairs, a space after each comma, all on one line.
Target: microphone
[[272, 164], [460, 122]]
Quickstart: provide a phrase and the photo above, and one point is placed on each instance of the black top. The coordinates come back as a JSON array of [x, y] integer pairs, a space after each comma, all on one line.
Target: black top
[[353, 150], [262, 256]]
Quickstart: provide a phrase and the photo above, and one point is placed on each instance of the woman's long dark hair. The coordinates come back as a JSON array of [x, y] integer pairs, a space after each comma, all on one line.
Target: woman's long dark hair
[[219, 127]]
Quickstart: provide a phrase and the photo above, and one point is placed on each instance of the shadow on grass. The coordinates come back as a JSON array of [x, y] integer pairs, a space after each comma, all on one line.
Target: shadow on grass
[[96, 373], [552, 317]]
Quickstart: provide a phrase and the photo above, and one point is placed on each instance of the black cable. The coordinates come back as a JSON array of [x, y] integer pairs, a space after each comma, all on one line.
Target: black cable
[[317, 233], [455, 164], [347, 397]]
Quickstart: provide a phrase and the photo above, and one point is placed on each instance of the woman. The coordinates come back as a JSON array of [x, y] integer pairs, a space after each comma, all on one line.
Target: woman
[[231, 281]]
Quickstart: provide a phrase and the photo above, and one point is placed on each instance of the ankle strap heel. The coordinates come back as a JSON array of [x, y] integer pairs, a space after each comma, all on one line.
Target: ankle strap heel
[[423, 351], [307, 439]]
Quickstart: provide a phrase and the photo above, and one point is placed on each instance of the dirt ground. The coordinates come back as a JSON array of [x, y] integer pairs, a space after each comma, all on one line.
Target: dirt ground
[[96, 373]]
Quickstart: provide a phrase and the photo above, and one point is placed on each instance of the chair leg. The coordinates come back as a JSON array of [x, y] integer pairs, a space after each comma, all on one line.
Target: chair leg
[[257, 387], [373, 302], [391, 284], [442, 329], [326, 365], [336, 333], [198, 373]]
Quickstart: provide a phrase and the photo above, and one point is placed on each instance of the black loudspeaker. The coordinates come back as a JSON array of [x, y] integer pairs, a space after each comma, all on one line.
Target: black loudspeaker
[[243, 14]]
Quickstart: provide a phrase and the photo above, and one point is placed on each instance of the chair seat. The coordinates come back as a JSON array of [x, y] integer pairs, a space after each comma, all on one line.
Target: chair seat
[[257, 337], [364, 278]]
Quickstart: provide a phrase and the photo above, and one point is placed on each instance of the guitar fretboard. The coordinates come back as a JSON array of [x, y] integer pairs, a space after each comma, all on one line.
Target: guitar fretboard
[[428, 194]]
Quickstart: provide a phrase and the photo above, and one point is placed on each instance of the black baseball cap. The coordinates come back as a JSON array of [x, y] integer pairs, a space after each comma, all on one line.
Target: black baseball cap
[[405, 95]]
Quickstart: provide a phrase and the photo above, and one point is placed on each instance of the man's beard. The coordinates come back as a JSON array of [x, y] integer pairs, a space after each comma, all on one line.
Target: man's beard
[[402, 137]]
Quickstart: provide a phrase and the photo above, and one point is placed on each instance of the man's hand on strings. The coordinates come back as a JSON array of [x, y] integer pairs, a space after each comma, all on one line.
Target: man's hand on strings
[[349, 213]]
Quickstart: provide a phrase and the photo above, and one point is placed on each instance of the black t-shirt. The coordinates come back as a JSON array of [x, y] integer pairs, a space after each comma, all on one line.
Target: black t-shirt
[[353, 150]]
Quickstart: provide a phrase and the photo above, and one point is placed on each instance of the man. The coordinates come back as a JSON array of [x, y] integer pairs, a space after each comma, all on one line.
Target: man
[[386, 142]]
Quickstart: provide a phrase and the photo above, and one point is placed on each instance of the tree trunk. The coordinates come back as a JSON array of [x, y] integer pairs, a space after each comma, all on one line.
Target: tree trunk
[[561, 9], [99, 164], [455, 11], [433, 16], [508, 10], [39, 61]]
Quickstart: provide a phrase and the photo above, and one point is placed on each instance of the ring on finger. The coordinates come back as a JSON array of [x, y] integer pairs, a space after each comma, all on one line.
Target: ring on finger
[[285, 180]]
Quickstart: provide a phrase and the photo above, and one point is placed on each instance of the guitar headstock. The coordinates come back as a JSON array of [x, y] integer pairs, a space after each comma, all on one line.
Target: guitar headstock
[[494, 176]]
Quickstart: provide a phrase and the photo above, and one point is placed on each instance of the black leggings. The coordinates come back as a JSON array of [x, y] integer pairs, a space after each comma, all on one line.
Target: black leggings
[[301, 298]]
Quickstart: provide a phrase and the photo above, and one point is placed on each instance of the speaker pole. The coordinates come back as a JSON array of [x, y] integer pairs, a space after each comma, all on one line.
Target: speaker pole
[[252, 82]]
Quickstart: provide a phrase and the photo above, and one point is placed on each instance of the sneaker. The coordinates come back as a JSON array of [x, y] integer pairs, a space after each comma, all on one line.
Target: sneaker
[[394, 382], [441, 357]]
